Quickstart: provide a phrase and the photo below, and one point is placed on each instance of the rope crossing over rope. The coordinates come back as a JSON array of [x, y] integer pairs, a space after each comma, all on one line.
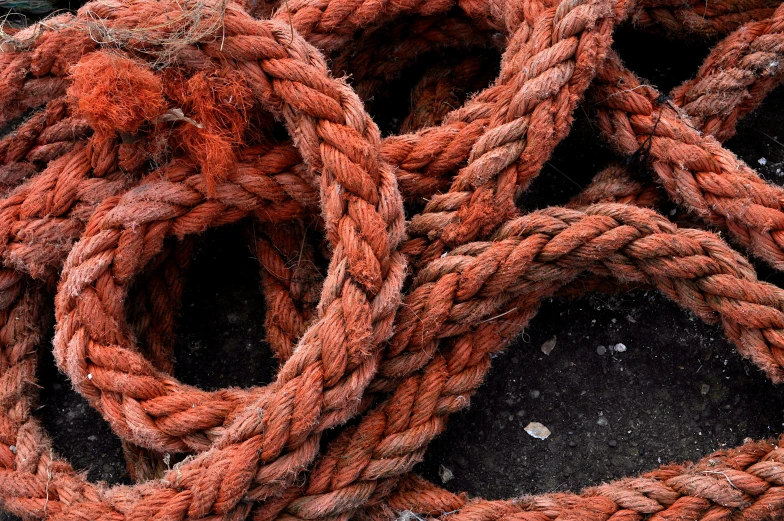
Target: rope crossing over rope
[[145, 123]]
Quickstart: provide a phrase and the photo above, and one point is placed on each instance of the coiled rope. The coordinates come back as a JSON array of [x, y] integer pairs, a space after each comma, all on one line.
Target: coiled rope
[[154, 121]]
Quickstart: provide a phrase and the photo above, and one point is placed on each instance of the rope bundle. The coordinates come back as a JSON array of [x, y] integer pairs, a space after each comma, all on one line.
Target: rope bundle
[[154, 121]]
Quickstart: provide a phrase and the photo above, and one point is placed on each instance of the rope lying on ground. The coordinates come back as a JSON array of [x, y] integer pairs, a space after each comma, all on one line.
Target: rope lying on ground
[[706, 19], [256, 442], [614, 185], [714, 100], [745, 480], [424, 313], [80, 317]]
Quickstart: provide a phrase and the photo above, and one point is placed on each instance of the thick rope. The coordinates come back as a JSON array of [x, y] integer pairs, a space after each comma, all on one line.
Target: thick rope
[[528, 113], [694, 169], [165, 430], [457, 299], [714, 100], [256, 442], [711, 19]]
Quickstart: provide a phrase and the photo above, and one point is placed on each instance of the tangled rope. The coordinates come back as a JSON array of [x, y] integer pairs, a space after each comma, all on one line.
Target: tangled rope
[[154, 121]]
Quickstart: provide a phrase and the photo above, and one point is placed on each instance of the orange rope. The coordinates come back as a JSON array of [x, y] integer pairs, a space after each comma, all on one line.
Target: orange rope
[[155, 123]]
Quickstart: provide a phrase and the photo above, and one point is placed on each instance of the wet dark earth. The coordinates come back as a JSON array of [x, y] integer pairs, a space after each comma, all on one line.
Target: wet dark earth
[[632, 382]]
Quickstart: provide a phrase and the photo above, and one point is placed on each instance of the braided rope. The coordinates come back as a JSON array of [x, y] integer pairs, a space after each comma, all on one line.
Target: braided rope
[[174, 429], [745, 480], [739, 72], [556, 55], [713, 100], [402, 151], [291, 282], [443, 357], [714, 18], [256, 442], [694, 169], [83, 375]]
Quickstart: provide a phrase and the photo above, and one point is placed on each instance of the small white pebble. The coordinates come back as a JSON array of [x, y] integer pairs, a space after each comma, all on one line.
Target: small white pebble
[[602, 422], [445, 474], [12, 448], [89, 376], [548, 346], [619, 348], [763, 161], [537, 430]]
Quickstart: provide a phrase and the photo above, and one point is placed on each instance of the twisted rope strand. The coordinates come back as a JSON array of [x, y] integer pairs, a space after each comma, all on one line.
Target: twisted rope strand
[[529, 258], [431, 356], [291, 282], [739, 72], [363, 263], [176, 430], [699, 18], [608, 185], [733, 81], [743, 482], [550, 61], [694, 169]]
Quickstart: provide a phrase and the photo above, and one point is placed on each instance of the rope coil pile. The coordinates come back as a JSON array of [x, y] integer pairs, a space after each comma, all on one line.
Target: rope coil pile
[[138, 125]]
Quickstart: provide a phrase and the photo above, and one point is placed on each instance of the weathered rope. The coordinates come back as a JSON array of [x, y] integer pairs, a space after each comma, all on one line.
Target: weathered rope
[[452, 346], [474, 255], [694, 169], [689, 18], [733, 80], [757, 77], [745, 480], [190, 429], [610, 180]]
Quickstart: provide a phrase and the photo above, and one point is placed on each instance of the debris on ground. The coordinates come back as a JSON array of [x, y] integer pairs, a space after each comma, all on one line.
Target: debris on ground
[[537, 430], [548, 346], [445, 474]]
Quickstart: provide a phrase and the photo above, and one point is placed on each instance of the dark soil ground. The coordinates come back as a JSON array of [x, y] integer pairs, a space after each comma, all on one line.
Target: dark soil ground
[[678, 391]]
